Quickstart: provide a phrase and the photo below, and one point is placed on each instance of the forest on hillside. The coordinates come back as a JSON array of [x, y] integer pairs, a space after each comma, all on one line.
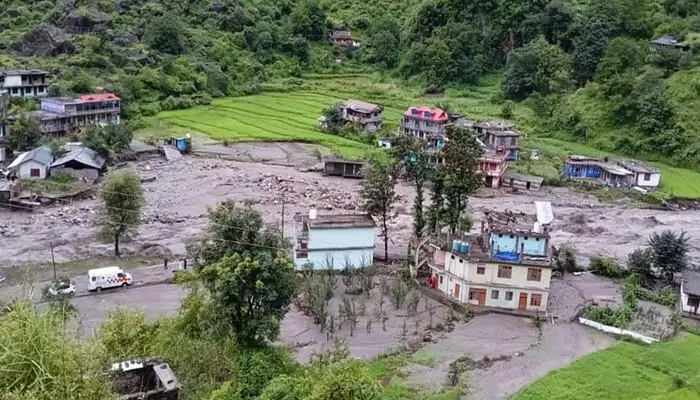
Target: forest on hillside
[[583, 66]]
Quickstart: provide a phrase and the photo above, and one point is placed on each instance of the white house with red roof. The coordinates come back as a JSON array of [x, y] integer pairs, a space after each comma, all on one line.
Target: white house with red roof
[[60, 115], [425, 123]]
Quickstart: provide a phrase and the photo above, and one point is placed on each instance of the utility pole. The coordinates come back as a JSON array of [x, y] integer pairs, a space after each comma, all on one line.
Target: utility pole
[[283, 201], [53, 262]]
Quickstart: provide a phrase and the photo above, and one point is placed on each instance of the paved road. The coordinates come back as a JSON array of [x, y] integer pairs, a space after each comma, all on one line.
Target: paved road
[[155, 301], [143, 276]]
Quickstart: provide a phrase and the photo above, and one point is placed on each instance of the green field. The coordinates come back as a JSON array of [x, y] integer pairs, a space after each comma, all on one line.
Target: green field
[[627, 371], [288, 111]]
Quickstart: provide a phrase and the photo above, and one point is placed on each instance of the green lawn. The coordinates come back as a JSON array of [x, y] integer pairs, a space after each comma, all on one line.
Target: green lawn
[[626, 372]]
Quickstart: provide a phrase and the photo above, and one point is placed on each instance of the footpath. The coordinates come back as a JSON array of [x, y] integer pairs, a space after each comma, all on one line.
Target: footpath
[[142, 276]]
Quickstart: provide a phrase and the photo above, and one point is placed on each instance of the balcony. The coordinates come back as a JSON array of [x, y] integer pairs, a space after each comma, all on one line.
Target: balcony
[[105, 110]]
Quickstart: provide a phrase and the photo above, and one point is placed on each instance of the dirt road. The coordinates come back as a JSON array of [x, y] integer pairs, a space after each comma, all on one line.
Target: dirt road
[[176, 203]]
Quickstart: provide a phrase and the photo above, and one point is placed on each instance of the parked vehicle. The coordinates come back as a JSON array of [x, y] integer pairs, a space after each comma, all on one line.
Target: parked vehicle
[[108, 277], [64, 287], [2, 279]]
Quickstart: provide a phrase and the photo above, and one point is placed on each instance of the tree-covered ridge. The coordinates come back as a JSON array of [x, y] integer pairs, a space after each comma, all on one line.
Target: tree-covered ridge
[[173, 54]]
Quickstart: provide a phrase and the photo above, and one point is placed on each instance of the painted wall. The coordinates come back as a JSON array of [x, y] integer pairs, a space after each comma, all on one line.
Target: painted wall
[[684, 302], [90, 173], [320, 258], [501, 302], [50, 106], [355, 244], [513, 243], [25, 170], [653, 181], [14, 80], [468, 271]]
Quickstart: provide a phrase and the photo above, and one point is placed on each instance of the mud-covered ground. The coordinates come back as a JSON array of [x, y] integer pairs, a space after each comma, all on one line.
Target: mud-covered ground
[[176, 203]]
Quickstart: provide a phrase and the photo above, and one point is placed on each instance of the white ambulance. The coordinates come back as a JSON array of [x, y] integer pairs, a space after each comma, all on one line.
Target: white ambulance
[[108, 277]]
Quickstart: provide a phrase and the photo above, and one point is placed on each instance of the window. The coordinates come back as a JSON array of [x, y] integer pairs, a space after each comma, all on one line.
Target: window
[[120, 275], [647, 177], [534, 274], [34, 172], [94, 278], [441, 279], [14, 90], [509, 296], [536, 300], [472, 295], [511, 236], [480, 270], [525, 238], [505, 271], [513, 141], [494, 294]]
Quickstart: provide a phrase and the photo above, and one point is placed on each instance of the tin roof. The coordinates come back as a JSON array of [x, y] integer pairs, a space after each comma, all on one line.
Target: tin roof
[[432, 114], [83, 155], [362, 106], [691, 283], [42, 155], [13, 72], [638, 167]]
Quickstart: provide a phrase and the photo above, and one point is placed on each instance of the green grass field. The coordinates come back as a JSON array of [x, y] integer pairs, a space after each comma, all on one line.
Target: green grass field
[[288, 110], [627, 371]]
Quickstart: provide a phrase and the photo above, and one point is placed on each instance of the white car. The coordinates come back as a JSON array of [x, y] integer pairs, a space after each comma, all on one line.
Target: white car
[[63, 287]]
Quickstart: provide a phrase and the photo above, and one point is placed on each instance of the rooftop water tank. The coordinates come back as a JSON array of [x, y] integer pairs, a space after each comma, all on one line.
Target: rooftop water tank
[[464, 247], [456, 245], [312, 213]]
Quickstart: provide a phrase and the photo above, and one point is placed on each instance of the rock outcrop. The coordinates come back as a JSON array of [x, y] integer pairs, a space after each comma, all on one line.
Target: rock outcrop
[[44, 41]]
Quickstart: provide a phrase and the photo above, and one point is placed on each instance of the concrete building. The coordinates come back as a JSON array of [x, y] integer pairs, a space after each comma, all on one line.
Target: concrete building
[[367, 116], [521, 182], [427, 124], [333, 241], [144, 380], [507, 265], [492, 165], [59, 115], [599, 171], [24, 83], [81, 163], [644, 176], [690, 294], [506, 140], [346, 168], [33, 164]]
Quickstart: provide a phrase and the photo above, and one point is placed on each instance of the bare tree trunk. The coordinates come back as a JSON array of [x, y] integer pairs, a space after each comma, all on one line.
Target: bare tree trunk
[[116, 245], [386, 239]]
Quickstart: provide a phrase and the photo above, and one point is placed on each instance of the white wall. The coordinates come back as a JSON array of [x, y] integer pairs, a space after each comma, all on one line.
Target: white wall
[[15, 80], [652, 182], [26, 167]]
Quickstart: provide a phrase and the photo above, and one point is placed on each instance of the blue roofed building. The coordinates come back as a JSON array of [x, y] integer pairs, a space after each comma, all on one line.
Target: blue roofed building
[[333, 241]]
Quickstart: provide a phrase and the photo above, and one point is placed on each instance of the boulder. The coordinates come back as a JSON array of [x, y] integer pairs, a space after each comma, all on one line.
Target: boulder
[[44, 41], [83, 21]]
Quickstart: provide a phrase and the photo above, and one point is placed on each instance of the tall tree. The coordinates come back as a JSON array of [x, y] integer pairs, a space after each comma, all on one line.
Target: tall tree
[[639, 264], [461, 152], [308, 20], [537, 67], [122, 198], [437, 199], [250, 294], [165, 34], [379, 194], [24, 134], [669, 252]]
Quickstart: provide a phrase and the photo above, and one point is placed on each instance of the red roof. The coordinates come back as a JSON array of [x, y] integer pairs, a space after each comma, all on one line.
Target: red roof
[[98, 97], [433, 114]]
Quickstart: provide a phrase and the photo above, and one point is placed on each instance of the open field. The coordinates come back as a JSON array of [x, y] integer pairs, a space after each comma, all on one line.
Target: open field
[[627, 371], [288, 111]]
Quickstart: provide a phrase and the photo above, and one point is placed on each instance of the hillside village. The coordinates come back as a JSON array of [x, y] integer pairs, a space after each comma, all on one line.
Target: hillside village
[[375, 249]]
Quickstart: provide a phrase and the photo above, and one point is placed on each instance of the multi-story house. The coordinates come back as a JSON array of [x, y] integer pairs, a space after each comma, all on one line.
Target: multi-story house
[[506, 265], [367, 116], [427, 124], [59, 115], [24, 83], [492, 165], [333, 241], [506, 140]]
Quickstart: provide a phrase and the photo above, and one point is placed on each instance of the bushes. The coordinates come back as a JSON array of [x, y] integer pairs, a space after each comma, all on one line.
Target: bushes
[[606, 266]]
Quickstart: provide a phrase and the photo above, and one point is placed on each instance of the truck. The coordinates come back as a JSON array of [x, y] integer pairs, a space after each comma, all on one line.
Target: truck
[[108, 277]]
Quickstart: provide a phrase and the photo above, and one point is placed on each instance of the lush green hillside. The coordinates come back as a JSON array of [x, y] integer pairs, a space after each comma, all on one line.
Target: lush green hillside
[[662, 371]]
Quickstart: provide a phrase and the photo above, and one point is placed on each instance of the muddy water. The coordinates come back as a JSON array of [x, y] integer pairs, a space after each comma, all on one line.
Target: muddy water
[[177, 200]]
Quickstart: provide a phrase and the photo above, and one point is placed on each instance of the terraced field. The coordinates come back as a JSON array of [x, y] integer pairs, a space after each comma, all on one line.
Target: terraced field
[[269, 117]]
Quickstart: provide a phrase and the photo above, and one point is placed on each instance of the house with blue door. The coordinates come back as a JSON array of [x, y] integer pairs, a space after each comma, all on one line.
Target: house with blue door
[[333, 241], [599, 171]]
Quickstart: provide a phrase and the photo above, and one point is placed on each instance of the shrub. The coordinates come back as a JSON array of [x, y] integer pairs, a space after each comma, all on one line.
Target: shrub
[[61, 178], [606, 266]]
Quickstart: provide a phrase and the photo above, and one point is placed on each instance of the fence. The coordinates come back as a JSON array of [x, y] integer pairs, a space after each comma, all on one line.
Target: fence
[[617, 331]]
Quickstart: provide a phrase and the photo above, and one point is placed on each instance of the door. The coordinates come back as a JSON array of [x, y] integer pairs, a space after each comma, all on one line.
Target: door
[[522, 301], [481, 296], [457, 290]]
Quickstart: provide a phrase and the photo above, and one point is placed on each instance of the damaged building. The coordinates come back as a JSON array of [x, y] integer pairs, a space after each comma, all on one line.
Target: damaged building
[[506, 265], [144, 380]]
